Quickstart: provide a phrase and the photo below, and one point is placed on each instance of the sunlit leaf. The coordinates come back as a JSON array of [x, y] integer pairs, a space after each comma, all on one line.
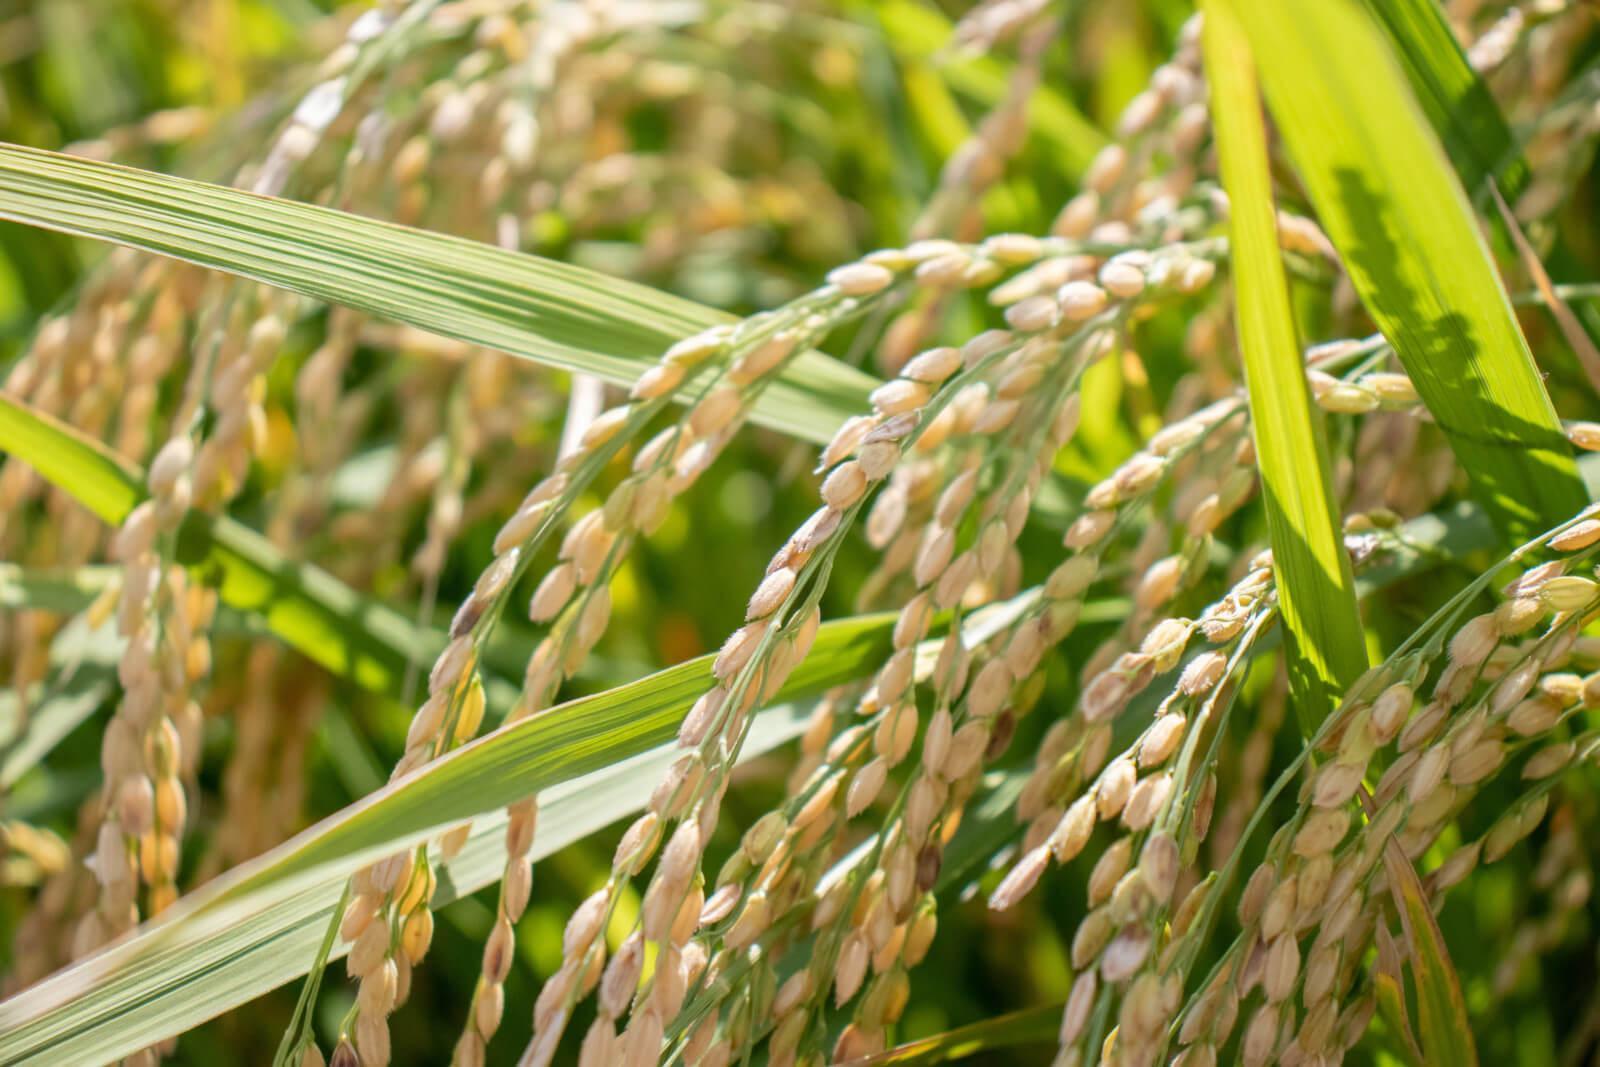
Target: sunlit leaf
[[550, 312], [1456, 101], [305, 606], [1386, 195], [1316, 589], [1469, 122], [257, 926]]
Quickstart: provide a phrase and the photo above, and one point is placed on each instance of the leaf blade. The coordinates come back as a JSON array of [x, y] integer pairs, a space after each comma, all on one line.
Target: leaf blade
[[305, 606], [1030, 1026], [1456, 101], [1443, 1024], [1402, 223], [536, 308], [100, 480], [143, 989], [1316, 586], [1481, 145]]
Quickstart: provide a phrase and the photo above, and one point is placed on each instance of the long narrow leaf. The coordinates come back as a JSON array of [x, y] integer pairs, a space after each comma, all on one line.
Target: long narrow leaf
[[305, 606], [30, 729], [82, 674], [1316, 589], [1442, 1022], [1458, 104], [256, 927], [92, 474], [67, 591], [1031, 1026], [546, 311], [172, 976], [1472, 128], [1402, 224], [1388, 986]]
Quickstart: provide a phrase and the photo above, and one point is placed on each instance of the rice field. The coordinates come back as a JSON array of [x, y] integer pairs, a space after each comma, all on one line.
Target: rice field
[[604, 532]]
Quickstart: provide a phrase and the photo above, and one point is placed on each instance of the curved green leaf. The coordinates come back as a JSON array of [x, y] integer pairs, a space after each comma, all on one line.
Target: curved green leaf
[[305, 606], [550, 312], [1476, 136], [67, 591], [257, 926], [1031, 1026], [28, 731], [1442, 1022], [1388, 987], [1457, 102], [91, 473]]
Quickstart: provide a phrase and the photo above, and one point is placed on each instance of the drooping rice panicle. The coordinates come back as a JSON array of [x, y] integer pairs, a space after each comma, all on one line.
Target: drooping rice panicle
[[895, 731]]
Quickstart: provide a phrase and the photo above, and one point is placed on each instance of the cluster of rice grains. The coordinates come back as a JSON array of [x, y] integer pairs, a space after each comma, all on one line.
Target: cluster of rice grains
[[170, 367], [974, 427], [983, 421], [805, 912], [959, 443], [150, 350], [801, 948]]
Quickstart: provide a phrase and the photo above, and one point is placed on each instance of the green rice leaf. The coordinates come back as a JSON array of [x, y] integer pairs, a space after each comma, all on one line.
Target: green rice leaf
[[549, 312], [1316, 588], [91, 473], [305, 606], [66, 591], [1386, 195], [1388, 984], [1443, 1026], [1473, 130], [178, 972], [27, 734], [594, 760], [1458, 104], [82, 676]]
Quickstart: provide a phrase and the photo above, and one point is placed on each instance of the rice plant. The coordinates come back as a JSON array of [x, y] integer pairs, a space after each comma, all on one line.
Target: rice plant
[[702, 533]]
